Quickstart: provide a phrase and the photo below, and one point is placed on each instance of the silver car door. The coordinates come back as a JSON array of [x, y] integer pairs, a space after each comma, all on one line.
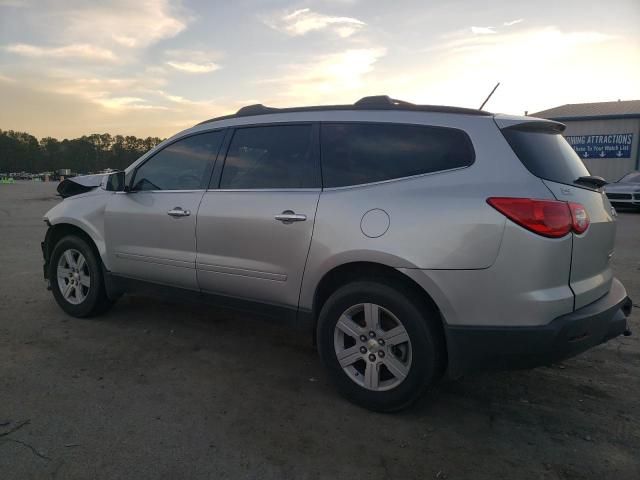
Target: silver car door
[[150, 229], [254, 231]]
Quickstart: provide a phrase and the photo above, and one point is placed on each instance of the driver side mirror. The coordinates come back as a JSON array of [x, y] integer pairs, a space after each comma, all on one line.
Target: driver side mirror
[[115, 182]]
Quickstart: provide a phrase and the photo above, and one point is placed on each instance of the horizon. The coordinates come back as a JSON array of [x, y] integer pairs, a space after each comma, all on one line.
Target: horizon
[[156, 67]]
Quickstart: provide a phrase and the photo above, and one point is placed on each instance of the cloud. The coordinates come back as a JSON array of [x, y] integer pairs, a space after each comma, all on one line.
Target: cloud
[[192, 61], [38, 110], [537, 67], [513, 22], [120, 22], [84, 51], [14, 3], [483, 30], [127, 102], [120, 93], [303, 21], [191, 67], [492, 30], [328, 78]]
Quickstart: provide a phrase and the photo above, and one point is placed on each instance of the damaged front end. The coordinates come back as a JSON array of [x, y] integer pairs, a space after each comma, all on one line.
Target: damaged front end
[[77, 185]]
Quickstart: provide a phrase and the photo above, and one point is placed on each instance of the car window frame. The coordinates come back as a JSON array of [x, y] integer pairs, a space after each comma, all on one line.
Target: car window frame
[[395, 179], [216, 177], [206, 177]]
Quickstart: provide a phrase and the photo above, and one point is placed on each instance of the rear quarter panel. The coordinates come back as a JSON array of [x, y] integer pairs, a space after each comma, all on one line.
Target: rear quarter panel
[[437, 221]]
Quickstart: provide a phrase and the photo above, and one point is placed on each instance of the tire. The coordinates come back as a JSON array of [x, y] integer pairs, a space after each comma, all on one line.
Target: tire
[[86, 296], [421, 355]]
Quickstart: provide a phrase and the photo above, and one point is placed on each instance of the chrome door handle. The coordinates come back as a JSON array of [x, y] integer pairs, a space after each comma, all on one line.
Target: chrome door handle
[[178, 212], [289, 216]]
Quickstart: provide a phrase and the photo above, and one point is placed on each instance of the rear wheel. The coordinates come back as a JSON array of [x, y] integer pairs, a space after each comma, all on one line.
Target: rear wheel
[[76, 278], [380, 346]]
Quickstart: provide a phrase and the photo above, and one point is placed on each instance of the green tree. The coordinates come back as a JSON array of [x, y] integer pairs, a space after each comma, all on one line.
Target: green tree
[[20, 151]]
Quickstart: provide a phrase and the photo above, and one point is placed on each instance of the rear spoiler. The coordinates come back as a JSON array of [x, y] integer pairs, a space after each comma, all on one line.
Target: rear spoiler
[[77, 185], [528, 124]]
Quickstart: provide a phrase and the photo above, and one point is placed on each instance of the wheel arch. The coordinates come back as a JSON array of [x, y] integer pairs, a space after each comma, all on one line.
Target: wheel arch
[[58, 231], [348, 272]]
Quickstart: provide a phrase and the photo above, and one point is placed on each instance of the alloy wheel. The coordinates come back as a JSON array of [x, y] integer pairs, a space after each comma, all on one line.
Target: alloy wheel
[[74, 278], [372, 347]]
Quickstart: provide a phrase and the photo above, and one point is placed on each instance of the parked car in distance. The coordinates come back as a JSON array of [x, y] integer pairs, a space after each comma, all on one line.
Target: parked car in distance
[[626, 191], [415, 241]]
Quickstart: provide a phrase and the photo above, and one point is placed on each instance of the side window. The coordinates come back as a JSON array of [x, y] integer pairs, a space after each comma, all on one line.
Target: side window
[[274, 156], [357, 153], [182, 165]]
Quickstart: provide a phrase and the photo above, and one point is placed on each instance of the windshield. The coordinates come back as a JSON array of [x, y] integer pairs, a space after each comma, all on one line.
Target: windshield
[[546, 154], [633, 177]]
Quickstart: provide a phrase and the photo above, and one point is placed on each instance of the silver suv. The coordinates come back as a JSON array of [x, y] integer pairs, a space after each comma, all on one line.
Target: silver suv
[[415, 241]]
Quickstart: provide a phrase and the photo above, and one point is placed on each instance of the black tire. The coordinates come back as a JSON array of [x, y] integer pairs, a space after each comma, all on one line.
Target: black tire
[[420, 323], [96, 301]]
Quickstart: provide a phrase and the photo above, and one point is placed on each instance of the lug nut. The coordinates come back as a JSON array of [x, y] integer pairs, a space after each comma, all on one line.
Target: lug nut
[[372, 357], [381, 354], [372, 334], [380, 342], [363, 350], [363, 338]]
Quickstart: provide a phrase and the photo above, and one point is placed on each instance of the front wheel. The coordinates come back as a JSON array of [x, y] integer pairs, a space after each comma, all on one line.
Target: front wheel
[[76, 278], [381, 347]]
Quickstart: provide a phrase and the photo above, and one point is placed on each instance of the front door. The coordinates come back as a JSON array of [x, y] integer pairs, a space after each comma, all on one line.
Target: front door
[[150, 230], [254, 227]]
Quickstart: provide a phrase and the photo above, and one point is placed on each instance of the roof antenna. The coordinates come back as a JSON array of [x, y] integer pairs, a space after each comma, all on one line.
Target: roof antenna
[[487, 99]]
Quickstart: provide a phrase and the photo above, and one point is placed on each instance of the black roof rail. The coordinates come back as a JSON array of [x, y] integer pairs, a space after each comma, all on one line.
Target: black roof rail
[[375, 102], [256, 109], [382, 101]]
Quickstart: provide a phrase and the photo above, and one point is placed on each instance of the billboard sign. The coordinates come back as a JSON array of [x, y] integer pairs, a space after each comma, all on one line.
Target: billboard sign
[[606, 145]]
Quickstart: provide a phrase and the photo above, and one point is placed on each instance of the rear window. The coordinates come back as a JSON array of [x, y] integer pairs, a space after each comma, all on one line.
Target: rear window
[[357, 153], [546, 154]]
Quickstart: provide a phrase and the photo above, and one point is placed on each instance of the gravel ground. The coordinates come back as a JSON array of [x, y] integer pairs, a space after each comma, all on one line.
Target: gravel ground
[[157, 390]]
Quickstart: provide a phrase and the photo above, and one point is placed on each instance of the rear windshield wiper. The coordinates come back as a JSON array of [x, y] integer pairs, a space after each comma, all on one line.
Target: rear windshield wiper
[[592, 181]]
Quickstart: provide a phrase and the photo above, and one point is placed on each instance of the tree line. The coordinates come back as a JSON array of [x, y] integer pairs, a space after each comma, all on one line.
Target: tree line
[[20, 151]]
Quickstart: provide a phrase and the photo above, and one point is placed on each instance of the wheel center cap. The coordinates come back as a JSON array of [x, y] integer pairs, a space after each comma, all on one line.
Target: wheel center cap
[[373, 345]]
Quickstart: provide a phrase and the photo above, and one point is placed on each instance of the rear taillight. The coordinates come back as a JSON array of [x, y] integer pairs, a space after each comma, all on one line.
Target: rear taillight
[[549, 218], [579, 216]]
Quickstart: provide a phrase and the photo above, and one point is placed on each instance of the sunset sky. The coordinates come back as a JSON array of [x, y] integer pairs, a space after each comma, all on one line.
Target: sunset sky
[[154, 67]]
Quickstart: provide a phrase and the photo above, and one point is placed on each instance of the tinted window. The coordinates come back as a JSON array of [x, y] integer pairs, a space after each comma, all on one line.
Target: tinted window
[[546, 154], [277, 156], [354, 153], [183, 165]]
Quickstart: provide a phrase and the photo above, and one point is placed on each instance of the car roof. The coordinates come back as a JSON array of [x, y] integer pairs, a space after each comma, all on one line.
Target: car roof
[[377, 102]]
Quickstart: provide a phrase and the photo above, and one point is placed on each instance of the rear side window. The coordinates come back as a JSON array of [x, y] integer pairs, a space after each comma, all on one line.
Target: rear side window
[[546, 154], [357, 153], [276, 156], [182, 165]]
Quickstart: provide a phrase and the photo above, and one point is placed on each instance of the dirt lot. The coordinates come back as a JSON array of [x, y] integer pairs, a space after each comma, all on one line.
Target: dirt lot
[[165, 391]]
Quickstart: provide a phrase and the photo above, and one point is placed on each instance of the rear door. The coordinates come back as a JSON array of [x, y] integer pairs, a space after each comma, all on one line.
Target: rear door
[[255, 222], [151, 229], [544, 151]]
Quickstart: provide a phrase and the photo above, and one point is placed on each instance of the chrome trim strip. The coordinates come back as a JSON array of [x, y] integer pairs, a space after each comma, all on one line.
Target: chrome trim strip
[[157, 260], [264, 190], [243, 272], [411, 177], [137, 192]]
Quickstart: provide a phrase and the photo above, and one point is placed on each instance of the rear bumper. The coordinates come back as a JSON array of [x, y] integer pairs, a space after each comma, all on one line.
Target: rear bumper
[[480, 348]]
